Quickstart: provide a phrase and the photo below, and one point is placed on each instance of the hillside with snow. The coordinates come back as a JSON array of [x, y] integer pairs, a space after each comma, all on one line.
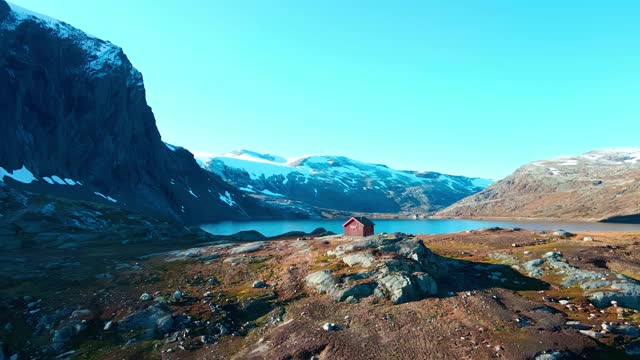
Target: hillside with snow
[[598, 185], [339, 183], [76, 125]]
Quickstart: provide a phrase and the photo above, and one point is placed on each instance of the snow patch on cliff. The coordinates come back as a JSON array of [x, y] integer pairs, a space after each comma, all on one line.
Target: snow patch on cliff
[[227, 198], [106, 197], [102, 55], [22, 175]]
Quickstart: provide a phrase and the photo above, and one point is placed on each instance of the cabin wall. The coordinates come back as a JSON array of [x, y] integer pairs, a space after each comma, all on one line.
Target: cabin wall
[[357, 229], [354, 229], [367, 231]]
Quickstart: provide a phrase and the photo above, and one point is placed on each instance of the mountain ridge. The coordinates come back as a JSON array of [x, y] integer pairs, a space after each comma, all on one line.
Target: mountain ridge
[[338, 182]]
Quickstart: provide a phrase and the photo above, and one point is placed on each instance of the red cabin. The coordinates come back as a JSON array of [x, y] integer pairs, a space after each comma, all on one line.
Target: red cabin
[[358, 226]]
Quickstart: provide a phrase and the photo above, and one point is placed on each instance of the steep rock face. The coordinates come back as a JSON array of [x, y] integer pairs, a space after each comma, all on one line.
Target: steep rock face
[[340, 183], [598, 185], [73, 115]]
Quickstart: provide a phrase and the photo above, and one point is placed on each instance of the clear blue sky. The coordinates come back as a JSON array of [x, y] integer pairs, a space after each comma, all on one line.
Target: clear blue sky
[[464, 87]]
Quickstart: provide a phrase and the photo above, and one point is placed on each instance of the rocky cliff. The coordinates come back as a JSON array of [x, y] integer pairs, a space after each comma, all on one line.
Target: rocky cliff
[[75, 123], [599, 185]]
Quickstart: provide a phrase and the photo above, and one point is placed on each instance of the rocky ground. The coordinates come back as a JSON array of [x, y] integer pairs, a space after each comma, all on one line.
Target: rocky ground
[[475, 295]]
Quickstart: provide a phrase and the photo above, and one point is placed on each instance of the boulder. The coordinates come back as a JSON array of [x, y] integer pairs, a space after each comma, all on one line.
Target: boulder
[[632, 349], [400, 287], [425, 283], [64, 335], [412, 248], [628, 330], [330, 327], [259, 285], [626, 293], [552, 255], [155, 317], [591, 333], [553, 355], [563, 233], [587, 238], [321, 280]]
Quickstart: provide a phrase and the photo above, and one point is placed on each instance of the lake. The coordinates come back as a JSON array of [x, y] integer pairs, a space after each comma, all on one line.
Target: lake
[[422, 226]]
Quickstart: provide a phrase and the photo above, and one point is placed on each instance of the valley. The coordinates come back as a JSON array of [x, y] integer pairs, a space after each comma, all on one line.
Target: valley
[[116, 244]]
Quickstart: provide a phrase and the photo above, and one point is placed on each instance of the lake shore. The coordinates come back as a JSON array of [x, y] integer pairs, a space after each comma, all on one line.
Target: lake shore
[[271, 228]]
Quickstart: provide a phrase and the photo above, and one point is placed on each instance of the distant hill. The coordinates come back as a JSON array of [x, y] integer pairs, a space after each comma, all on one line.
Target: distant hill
[[598, 185]]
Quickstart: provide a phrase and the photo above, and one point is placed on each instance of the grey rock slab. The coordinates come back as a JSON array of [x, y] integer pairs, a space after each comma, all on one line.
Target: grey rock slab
[[357, 292], [247, 248], [591, 285], [321, 280], [363, 259], [576, 276]]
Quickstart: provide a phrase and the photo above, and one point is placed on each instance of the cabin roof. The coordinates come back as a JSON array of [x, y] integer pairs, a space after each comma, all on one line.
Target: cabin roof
[[361, 219]]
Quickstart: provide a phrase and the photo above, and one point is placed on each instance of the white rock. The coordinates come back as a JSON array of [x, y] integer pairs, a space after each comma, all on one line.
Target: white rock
[[363, 259], [587, 238], [329, 326], [591, 333], [259, 284]]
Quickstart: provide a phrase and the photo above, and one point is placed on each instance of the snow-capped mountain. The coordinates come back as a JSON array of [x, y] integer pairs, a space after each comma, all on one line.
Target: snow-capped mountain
[[597, 185], [339, 183], [76, 124]]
